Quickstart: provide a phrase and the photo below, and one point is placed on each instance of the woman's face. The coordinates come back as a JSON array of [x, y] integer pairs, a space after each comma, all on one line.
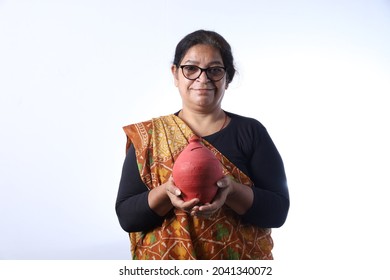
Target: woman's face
[[201, 94]]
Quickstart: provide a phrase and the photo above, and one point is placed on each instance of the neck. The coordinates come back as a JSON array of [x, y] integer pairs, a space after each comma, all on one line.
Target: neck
[[204, 124]]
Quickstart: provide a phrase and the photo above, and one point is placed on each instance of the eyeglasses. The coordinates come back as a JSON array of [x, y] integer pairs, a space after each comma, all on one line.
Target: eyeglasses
[[193, 72]]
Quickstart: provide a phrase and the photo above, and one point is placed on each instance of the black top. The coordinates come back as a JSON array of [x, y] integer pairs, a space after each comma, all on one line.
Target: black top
[[247, 144]]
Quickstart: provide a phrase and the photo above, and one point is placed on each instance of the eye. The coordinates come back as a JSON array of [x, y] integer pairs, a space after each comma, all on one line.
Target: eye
[[191, 69], [216, 71]]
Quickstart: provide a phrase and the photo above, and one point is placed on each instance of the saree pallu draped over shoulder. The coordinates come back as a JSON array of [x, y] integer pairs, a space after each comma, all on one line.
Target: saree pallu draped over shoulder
[[158, 143]]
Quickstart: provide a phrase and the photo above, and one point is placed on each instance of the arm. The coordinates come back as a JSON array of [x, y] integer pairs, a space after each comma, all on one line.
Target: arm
[[132, 206], [271, 198]]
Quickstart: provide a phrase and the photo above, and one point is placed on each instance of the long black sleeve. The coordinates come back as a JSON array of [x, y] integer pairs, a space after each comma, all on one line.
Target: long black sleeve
[[271, 198], [132, 205]]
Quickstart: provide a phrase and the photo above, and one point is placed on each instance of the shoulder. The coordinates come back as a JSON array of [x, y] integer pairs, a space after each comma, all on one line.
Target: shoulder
[[145, 123], [145, 128], [245, 122], [136, 127], [247, 130]]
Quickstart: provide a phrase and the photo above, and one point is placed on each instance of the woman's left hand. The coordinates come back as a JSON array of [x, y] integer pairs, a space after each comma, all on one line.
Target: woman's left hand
[[225, 188]]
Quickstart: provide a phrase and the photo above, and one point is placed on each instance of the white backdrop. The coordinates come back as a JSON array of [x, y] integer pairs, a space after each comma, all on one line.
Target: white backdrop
[[72, 73]]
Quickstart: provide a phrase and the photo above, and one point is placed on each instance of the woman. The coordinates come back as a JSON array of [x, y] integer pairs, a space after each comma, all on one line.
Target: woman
[[253, 196]]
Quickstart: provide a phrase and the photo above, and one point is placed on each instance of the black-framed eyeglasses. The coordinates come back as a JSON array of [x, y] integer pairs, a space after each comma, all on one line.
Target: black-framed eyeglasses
[[193, 72]]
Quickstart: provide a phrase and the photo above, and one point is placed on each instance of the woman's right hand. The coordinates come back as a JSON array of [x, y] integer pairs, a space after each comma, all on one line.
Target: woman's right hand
[[177, 201]]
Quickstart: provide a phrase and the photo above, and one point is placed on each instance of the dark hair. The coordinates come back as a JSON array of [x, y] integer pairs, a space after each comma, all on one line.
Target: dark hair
[[207, 38]]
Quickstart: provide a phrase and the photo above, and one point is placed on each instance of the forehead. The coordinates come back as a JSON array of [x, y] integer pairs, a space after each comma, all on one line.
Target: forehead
[[203, 54]]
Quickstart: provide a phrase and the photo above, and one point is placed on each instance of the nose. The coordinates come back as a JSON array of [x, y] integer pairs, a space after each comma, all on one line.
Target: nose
[[203, 77]]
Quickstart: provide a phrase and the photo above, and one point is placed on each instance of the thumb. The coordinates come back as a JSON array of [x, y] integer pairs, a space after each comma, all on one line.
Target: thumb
[[223, 183]]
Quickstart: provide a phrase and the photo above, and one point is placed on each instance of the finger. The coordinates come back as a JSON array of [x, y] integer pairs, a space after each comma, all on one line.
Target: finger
[[207, 209], [179, 203], [190, 203], [176, 191], [173, 190], [195, 208], [223, 183]]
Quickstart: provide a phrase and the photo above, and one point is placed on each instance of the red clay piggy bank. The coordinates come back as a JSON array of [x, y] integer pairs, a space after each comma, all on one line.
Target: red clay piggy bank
[[196, 172]]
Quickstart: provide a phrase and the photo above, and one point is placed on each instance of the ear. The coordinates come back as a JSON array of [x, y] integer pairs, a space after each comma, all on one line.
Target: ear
[[175, 74]]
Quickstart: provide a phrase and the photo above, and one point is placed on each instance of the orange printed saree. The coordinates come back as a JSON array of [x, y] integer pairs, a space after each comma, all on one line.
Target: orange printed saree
[[158, 143]]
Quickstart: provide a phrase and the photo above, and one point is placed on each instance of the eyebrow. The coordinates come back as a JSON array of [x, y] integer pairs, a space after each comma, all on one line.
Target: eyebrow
[[210, 63]]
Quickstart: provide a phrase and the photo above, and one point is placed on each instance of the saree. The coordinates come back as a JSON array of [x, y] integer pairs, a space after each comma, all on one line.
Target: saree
[[157, 143]]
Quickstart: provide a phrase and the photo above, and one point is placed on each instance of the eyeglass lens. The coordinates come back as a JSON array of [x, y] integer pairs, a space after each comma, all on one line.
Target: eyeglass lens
[[193, 72]]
